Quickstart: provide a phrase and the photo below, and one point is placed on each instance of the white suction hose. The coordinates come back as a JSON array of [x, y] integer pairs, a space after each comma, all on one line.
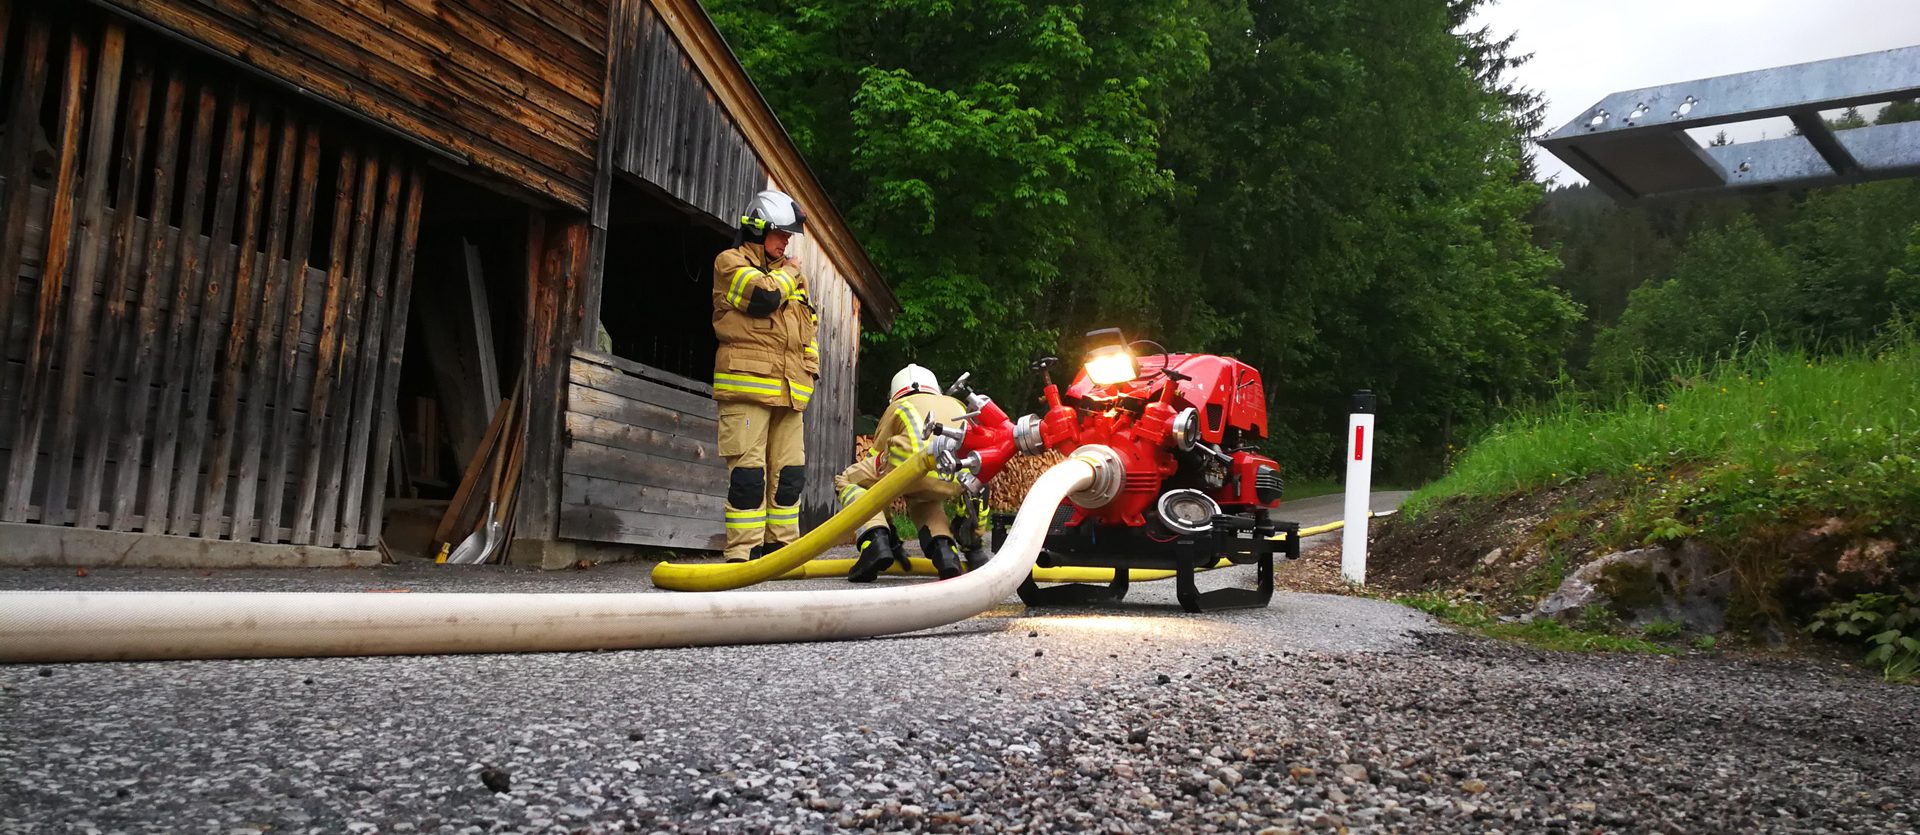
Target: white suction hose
[[42, 626]]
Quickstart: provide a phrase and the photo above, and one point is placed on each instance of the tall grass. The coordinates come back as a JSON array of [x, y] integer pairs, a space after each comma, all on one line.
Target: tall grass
[[1771, 434]]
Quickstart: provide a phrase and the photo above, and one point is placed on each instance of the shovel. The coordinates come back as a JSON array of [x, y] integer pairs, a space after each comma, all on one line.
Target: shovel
[[485, 537]]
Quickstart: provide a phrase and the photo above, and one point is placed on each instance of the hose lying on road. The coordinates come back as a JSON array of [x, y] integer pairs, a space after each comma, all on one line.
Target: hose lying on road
[[45, 626], [733, 575], [828, 568]]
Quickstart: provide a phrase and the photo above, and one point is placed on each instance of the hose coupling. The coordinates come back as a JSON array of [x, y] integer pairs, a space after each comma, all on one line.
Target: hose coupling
[[1027, 437], [1109, 476]]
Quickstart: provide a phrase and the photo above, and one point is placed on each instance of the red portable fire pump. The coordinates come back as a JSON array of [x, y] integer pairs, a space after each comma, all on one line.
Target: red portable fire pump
[[1195, 490]]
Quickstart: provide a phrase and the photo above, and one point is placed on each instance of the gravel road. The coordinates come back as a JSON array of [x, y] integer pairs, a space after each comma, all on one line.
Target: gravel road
[[1320, 713]]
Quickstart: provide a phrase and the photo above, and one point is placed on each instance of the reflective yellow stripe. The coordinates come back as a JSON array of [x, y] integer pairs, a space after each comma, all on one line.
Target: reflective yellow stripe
[[813, 349], [744, 519], [748, 383], [777, 516], [801, 394], [851, 493], [737, 293], [911, 418], [785, 281]]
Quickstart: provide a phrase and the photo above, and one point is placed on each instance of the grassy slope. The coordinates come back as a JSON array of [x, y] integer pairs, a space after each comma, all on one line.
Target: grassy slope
[[1775, 438], [1743, 456]]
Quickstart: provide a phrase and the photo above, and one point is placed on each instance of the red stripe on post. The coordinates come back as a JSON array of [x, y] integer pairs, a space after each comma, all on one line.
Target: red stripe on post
[[1359, 442]]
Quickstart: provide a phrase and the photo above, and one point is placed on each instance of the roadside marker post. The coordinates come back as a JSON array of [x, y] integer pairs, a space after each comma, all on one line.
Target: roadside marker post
[[1359, 454]]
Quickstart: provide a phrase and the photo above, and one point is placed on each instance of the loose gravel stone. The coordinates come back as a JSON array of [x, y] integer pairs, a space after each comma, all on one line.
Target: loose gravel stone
[[1267, 721]]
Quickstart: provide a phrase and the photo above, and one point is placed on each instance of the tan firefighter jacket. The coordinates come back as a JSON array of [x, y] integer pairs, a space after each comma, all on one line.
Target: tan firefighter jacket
[[901, 433], [766, 326]]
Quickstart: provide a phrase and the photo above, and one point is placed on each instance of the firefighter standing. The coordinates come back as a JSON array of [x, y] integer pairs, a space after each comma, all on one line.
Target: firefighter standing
[[763, 375], [916, 399]]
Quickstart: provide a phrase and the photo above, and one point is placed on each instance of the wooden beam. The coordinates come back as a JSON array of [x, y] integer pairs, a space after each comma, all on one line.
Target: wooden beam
[[372, 361], [246, 300], [560, 244], [396, 344], [273, 294], [53, 278], [346, 369], [16, 162], [155, 278], [90, 247], [215, 298], [191, 276], [328, 350], [285, 379], [112, 331]]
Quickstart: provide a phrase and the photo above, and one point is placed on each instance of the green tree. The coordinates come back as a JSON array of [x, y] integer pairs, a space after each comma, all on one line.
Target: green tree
[[979, 148], [1846, 240], [1729, 288], [1332, 190]]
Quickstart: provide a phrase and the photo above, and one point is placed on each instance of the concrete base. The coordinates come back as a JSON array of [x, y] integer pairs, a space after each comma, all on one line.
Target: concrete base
[[548, 554], [562, 554], [24, 545]]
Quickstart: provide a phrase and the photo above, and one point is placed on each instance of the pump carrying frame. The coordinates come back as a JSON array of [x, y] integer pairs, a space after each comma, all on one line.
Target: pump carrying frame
[[1232, 539]]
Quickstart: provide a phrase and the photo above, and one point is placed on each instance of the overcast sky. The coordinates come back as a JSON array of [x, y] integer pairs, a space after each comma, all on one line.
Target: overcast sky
[[1585, 49]]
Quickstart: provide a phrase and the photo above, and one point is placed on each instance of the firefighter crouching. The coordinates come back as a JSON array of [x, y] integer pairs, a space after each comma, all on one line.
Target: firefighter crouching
[[916, 399], [763, 375]]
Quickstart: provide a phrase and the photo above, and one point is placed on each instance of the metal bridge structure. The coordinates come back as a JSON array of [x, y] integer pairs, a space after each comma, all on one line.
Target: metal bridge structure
[[1634, 144]]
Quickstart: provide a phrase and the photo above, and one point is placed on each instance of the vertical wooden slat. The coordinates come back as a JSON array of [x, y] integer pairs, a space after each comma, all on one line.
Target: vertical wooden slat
[[188, 277], [112, 332], [214, 301], [246, 299], [346, 371], [316, 436], [89, 248], [273, 306], [53, 276], [282, 437], [154, 279], [16, 161], [6, 23], [371, 353], [396, 344], [552, 286]]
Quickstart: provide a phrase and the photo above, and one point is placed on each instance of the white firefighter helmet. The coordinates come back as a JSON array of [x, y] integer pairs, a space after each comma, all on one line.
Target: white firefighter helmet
[[772, 210], [913, 379]]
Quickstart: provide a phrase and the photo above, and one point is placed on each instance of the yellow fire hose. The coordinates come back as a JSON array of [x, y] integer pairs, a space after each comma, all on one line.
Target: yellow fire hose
[[832, 568], [733, 575]]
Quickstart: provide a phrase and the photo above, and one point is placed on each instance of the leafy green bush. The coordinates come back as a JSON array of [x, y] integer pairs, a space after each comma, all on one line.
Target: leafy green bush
[[1889, 623]]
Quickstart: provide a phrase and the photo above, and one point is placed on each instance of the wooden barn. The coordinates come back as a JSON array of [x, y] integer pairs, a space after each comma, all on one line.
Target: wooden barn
[[286, 278]]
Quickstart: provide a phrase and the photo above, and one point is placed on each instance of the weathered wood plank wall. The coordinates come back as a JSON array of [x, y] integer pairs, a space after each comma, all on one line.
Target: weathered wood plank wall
[[149, 364], [642, 464], [514, 86], [666, 127]]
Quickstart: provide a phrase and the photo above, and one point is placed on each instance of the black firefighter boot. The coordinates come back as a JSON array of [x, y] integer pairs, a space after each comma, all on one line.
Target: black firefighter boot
[[972, 541], [945, 556], [878, 546]]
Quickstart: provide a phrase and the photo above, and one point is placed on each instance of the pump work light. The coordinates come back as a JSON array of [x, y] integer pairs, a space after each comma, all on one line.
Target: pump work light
[[1109, 362]]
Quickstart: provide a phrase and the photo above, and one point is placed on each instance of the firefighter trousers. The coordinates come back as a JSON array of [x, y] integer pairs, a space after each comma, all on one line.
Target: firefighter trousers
[[766, 471]]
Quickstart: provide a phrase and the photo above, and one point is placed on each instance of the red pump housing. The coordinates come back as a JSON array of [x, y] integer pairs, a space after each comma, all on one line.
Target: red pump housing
[[1181, 423]]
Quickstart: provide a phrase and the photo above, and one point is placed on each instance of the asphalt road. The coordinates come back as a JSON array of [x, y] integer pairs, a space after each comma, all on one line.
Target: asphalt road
[[1317, 713]]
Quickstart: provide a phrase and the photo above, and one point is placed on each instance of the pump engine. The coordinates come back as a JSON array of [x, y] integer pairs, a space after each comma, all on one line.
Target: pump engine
[[1195, 491]]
